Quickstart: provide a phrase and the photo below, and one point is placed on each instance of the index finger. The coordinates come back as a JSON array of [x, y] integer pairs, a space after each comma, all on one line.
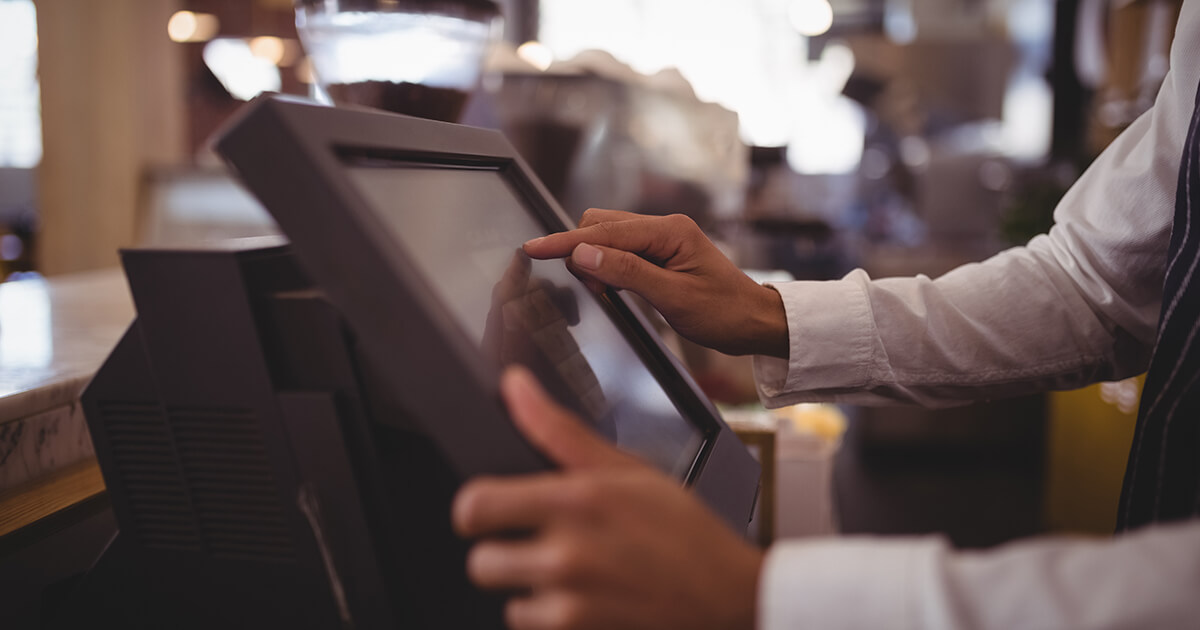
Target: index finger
[[650, 237]]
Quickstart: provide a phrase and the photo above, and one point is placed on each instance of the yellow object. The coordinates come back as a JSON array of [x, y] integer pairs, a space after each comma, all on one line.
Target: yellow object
[[1088, 437], [826, 421]]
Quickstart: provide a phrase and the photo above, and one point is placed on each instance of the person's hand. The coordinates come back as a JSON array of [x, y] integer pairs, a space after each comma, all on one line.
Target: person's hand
[[607, 542], [672, 264]]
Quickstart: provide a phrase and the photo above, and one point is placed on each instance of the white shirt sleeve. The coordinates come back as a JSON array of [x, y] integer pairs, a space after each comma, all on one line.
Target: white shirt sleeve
[[1148, 579], [1072, 307]]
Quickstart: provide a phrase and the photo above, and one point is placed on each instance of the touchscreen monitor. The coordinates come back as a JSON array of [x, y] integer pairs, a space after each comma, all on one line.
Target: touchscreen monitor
[[412, 229], [463, 227]]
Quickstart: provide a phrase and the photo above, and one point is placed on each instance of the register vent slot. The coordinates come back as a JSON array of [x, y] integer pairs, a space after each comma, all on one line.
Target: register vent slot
[[144, 461], [230, 482]]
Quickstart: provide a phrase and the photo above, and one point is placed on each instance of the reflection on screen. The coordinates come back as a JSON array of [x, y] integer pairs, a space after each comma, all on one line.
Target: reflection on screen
[[464, 229]]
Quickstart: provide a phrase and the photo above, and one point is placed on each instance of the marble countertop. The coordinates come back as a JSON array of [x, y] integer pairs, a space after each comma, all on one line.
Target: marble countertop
[[54, 334]]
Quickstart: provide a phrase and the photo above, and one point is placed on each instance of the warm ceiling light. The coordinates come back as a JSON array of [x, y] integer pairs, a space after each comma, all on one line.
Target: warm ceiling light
[[186, 26], [811, 17], [536, 54], [269, 48], [182, 26]]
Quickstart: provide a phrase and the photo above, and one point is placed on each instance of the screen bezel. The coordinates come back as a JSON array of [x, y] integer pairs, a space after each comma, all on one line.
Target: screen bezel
[[286, 150]]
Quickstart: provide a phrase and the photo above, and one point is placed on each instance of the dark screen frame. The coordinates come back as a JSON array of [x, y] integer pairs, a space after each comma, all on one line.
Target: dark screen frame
[[292, 154]]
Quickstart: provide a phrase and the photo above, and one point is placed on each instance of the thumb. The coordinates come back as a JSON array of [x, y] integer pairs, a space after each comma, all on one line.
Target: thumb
[[553, 430]]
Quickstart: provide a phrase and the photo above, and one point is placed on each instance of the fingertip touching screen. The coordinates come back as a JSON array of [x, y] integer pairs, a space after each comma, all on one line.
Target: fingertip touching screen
[[463, 227]]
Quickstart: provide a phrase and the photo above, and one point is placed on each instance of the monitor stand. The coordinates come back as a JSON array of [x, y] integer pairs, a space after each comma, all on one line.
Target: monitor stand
[[234, 426]]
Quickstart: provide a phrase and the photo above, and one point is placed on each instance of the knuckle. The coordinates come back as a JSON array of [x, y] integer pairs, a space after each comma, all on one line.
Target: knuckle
[[604, 229], [589, 500], [563, 562], [627, 264], [589, 217], [681, 222]]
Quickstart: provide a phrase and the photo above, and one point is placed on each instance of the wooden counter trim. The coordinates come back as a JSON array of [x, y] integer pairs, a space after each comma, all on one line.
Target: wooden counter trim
[[40, 508]]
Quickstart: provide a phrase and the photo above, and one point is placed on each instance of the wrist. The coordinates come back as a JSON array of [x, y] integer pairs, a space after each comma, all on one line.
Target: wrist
[[769, 330]]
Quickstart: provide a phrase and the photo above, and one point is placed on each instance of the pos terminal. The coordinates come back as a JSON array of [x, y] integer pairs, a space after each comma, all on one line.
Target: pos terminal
[[284, 426]]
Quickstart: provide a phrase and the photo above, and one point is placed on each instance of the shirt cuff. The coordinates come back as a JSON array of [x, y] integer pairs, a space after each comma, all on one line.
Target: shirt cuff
[[846, 583], [831, 346]]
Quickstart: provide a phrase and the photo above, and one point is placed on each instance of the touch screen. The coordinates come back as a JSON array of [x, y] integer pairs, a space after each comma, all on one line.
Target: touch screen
[[463, 228]]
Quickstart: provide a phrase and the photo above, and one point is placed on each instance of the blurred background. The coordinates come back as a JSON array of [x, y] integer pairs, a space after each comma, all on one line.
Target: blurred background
[[808, 137]]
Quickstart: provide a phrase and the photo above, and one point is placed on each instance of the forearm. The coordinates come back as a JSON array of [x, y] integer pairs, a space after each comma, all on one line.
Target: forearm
[[1017, 323], [1147, 579]]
